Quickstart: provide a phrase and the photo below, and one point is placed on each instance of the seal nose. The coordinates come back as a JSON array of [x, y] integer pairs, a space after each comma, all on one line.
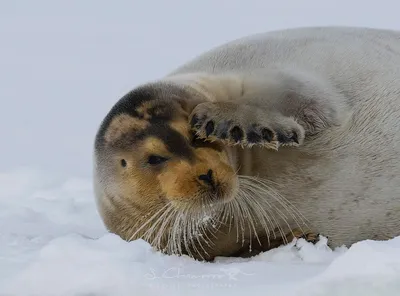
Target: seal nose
[[208, 178]]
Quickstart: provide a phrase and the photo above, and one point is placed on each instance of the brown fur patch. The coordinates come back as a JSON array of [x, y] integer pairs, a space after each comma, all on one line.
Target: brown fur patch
[[182, 127], [121, 125], [212, 154], [143, 109], [154, 145], [179, 182]]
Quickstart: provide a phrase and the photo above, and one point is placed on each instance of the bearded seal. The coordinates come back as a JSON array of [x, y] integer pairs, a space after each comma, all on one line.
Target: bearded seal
[[270, 136]]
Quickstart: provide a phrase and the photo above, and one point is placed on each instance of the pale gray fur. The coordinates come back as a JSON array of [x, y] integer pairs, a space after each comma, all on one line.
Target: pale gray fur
[[346, 181], [339, 89]]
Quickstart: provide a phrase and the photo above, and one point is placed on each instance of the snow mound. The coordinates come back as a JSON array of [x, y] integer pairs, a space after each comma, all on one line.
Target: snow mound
[[52, 242]]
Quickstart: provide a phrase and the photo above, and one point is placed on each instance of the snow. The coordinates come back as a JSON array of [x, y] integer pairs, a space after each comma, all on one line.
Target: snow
[[62, 66], [53, 243]]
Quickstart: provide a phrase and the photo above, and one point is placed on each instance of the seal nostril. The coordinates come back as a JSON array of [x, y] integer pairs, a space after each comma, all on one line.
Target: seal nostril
[[207, 178]]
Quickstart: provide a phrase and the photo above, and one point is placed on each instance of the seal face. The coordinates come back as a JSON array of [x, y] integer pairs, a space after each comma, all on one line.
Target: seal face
[[153, 148], [154, 165], [256, 142]]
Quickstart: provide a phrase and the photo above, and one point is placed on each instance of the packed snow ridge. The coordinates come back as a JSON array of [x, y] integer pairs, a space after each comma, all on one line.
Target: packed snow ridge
[[52, 242]]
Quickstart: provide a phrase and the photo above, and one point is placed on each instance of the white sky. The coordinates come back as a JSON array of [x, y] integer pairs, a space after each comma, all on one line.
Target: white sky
[[64, 63]]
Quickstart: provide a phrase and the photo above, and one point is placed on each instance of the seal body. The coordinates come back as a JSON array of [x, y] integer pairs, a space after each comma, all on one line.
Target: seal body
[[295, 130]]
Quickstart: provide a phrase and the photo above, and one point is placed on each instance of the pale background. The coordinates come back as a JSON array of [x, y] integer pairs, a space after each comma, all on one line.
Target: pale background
[[64, 63]]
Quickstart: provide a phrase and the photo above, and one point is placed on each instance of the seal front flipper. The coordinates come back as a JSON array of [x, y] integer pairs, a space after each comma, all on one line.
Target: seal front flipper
[[271, 109], [245, 125]]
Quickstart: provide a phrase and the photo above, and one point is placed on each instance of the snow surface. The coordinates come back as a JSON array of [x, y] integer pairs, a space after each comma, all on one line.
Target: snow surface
[[52, 242], [62, 66]]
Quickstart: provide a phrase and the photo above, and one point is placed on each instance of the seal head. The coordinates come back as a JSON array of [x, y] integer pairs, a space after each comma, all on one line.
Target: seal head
[[151, 168]]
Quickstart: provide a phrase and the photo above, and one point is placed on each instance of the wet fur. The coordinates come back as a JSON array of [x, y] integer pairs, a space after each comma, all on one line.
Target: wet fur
[[304, 126]]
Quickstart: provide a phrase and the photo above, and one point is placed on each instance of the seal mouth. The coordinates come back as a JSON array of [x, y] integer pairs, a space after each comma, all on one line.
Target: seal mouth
[[218, 195], [225, 193]]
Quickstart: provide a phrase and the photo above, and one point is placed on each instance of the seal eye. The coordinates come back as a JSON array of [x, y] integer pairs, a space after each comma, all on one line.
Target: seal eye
[[123, 162], [155, 159]]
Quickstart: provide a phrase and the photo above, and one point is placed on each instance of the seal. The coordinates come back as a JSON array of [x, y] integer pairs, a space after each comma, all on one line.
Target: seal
[[272, 136]]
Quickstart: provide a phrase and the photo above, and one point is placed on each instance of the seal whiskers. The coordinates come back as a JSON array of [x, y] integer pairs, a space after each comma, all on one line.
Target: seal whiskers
[[141, 225], [298, 111], [263, 187], [191, 227]]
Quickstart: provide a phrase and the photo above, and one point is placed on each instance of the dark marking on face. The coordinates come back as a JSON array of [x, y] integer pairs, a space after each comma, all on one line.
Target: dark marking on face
[[161, 111], [163, 96], [174, 141], [127, 104]]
